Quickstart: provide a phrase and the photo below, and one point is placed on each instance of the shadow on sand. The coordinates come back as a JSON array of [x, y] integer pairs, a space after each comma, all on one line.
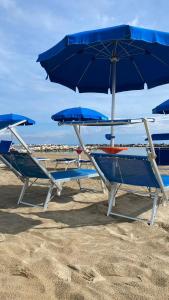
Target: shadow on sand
[[93, 214]]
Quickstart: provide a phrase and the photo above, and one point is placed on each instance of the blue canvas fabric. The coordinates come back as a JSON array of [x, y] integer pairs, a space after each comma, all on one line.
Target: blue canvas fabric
[[78, 114], [159, 137], [27, 167], [10, 119], [163, 108], [126, 169], [83, 60], [5, 146], [162, 156], [73, 173], [165, 179], [24, 164]]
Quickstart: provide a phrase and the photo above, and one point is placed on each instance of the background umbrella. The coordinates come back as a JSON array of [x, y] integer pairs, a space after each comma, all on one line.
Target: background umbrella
[[120, 58], [78, 114], [16, 120], [10, 119], [163, 108]]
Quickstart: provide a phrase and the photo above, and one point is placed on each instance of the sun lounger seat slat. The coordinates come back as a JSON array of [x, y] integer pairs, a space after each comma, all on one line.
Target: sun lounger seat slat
[[165, 179], [73, 173]]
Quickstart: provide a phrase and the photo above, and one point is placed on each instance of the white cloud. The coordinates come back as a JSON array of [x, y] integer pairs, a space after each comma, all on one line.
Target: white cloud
[[134, 22]]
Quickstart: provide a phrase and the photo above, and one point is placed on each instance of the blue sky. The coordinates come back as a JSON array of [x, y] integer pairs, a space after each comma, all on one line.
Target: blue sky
[[28, 28]]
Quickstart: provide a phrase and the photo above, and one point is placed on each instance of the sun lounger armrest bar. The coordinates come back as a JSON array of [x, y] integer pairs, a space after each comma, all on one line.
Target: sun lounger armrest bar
[[106, 123]]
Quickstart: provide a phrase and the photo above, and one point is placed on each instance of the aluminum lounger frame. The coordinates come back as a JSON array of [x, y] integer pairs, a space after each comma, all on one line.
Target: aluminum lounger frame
[[162, 153], [133, 171], [55, 179], [53, 183], [151, 156]]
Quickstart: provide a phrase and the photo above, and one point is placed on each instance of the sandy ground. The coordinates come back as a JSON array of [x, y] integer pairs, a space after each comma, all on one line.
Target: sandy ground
[[73, 251]]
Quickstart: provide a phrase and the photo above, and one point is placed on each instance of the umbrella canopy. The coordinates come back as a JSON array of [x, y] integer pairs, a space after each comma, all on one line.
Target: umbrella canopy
[[78, 114], [119, 58], [163, 108], [84, 60], [10, 119]]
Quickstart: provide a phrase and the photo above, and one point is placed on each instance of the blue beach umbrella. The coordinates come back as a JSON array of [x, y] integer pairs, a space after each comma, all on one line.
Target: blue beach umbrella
[[10, 119], [115, 59], [78, 114], [163, 108]]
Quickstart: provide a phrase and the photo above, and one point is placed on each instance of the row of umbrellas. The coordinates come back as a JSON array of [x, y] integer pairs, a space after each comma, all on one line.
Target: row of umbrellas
[[71, 114], [115, 59]]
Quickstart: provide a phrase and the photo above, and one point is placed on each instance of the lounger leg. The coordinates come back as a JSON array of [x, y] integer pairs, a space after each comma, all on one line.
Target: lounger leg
[[103, 186], [79, 183], [112, 199], [154, 210], [59, 189], [23, 191], [49, 194]]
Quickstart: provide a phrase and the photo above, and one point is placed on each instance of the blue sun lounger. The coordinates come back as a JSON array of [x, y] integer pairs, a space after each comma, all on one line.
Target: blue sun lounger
[[162, 153], [28, 168], [130, 170]]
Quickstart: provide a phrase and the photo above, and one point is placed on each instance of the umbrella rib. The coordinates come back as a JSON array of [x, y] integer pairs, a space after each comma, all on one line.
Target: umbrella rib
[[138, 70], [159, 59], [134, 63], [99, 51], [130, 55], [131, 44], [57, 66], [134, 46], [85, 70], [106, 48], [115, 48], [124, 50]]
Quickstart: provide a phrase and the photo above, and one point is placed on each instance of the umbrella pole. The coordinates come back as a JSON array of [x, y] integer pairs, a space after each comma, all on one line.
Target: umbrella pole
[[79, 157], [114, 61]]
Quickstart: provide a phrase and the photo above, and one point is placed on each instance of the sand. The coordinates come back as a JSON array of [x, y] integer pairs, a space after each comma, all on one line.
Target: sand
[[73, 251]]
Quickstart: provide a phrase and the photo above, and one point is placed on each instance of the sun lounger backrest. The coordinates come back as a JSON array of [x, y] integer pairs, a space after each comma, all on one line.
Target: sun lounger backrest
[[24, 164], [162, 158], [5, 146], [126, 169]]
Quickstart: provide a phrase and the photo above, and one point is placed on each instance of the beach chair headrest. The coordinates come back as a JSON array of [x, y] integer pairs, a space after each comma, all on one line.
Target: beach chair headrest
[[5, 146]]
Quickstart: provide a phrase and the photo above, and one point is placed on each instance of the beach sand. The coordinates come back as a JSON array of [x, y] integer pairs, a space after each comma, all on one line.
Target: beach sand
[[73, 251]]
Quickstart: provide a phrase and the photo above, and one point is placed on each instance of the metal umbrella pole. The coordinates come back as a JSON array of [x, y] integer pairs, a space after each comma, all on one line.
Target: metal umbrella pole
[[114, 61], [78, 154]]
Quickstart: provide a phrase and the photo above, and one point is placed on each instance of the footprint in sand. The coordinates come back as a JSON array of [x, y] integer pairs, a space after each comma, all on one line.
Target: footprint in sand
[[88, 274]]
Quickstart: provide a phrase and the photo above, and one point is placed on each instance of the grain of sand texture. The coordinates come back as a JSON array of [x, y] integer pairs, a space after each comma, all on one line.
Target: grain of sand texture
[[73, 251]]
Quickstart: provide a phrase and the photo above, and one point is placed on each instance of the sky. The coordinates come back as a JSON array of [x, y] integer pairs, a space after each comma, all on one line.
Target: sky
[[28, 28]]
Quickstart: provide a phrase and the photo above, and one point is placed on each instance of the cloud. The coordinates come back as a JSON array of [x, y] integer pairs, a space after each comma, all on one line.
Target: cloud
[[134, 22]]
